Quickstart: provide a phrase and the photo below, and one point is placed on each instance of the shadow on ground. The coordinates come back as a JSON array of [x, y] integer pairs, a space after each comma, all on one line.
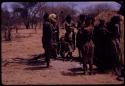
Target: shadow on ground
[[71, 59], [36, 68], [73, 72], [79, 71], [37, 62]]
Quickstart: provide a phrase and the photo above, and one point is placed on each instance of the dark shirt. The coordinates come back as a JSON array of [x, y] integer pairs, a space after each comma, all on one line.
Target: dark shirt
[[50, 34], [100, 35], [114, 30], [47, 33]]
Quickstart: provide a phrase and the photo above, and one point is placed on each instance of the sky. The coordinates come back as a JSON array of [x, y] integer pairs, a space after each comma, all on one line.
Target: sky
[[78, 5]]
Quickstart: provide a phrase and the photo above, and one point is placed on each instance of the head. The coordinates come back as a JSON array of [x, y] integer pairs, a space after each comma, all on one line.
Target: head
[[89, 21], [68, 18], [101, 22], [53, 18], [115, 19], [81, 17]]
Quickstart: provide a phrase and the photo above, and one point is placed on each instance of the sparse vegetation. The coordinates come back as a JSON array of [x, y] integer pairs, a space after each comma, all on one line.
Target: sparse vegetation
[[21, 32]]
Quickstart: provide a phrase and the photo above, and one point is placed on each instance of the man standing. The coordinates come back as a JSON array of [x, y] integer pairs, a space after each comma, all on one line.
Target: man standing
[[50, 36]]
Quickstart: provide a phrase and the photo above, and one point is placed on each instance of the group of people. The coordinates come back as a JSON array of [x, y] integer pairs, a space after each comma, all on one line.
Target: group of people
[[99, 45]]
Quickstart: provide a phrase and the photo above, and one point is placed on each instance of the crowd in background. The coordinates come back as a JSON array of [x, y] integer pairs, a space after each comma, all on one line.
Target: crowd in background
[[97, 45]]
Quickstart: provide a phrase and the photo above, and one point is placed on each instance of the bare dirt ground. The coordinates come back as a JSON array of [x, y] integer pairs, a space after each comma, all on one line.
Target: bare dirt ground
[[17, 70]]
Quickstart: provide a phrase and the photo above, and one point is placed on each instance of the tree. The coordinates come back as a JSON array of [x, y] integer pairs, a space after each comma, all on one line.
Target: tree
[[25, 11], [34, 14], [95, 10], [31, 13], [6, 24], [64, 10]]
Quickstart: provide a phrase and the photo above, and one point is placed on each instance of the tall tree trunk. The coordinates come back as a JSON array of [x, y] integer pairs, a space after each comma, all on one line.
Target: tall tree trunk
[[16, 29], [8, 34], [27, 25], [5, 34], [35, 28]]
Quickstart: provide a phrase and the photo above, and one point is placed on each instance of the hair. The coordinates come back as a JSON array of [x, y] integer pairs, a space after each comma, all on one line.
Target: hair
[[45, 17], [68, 18], [115, 19], [90, 19]]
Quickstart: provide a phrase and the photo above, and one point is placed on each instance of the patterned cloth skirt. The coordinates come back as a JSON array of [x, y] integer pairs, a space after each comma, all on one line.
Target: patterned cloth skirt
[[88, 52]]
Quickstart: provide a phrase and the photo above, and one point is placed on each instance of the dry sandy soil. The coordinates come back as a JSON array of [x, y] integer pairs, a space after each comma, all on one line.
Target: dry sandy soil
[[17, 70]]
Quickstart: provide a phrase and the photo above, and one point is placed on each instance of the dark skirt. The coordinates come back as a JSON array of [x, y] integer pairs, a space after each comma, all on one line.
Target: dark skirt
[[115, 53]]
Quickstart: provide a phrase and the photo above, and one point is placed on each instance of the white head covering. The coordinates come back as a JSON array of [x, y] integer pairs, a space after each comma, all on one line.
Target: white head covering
[[52, 17]]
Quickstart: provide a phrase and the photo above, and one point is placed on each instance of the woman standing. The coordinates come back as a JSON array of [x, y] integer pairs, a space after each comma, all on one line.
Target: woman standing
[[80, 27], [87, 45], [115, 51]]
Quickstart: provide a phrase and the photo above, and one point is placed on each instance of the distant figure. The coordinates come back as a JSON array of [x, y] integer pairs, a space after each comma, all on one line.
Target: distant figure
[[101, 41], [63, 48], [81, 21], [70, 35], [80, 27], [87, 46], [50, 36]]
